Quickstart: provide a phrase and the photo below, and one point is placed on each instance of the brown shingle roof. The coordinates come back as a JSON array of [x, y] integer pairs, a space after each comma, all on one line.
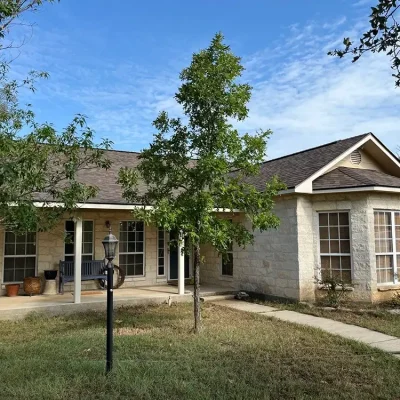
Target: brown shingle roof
[[295, 168], [344, 177], [110, 192], [292, 169]]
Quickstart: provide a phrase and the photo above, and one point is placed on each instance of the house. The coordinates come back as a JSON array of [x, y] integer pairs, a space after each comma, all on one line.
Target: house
[[340, 215]]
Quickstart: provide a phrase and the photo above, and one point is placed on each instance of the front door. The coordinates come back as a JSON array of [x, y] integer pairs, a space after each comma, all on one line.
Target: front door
[[173, 259]]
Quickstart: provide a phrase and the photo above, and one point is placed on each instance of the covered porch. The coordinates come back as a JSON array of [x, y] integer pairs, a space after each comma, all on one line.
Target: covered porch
[[176, 259], [51, 305]]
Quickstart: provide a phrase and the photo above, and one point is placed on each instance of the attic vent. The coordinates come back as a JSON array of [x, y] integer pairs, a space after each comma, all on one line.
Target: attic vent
[[355, 157]]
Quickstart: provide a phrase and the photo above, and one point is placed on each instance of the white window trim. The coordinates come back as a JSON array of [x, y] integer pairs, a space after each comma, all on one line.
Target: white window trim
[[143, 252], [93, 238], [166, 253], [93, 241], [394, 253], [319, 272], [18, 256]]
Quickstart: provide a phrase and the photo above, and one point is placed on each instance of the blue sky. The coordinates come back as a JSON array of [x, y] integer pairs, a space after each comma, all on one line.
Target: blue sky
[[118, 63]]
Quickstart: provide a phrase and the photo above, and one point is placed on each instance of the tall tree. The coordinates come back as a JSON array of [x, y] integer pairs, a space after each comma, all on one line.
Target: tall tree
[[39, 167], [194, 168], [383, 36]]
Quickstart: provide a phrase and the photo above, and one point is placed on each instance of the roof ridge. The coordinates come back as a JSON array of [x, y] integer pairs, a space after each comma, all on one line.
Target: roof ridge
[[318, 147], [122, 151], [311, 149]]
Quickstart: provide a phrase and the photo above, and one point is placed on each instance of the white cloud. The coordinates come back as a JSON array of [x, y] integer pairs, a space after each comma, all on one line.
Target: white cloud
[[361, 3], [306, 97]]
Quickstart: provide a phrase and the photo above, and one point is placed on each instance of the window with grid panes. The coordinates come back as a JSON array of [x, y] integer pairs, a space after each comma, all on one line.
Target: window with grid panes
[[334, 235], [87, 240], [131, 247], [161, 252], [19, 256], [387, 246], [227, 263]]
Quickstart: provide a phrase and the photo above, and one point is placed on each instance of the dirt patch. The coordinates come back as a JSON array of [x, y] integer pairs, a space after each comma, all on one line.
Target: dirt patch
[[130, 331]]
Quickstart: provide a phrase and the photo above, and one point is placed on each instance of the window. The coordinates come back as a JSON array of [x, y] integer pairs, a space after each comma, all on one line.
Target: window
[[19, 256], [161, 252], [387, 246], [227, 263], [131, 247], [334, 235], [87, 240]]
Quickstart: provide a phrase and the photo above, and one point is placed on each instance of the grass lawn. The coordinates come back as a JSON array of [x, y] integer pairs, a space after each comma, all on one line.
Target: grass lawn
[[373, 317], [238, 356]]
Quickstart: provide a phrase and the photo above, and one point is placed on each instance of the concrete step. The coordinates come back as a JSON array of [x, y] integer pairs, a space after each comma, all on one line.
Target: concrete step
[[217, 298]]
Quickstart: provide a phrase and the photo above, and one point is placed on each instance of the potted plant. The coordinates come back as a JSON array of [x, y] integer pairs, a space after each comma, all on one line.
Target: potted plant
[[12, 289]]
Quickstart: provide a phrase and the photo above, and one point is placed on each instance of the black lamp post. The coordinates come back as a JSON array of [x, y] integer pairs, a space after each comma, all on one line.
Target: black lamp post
[[110, 245]]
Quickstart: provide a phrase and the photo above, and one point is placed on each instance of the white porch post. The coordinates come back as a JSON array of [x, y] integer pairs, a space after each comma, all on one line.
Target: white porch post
[[181, 267], [77, 260]]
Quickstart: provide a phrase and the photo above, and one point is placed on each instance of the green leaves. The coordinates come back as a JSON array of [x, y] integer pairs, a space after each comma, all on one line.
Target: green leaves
[[42, 168], [384, 36], [192, 170]]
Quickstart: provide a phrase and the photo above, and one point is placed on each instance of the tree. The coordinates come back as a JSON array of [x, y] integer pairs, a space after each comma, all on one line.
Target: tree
[[39, 167], [191, 169], [383, 36]]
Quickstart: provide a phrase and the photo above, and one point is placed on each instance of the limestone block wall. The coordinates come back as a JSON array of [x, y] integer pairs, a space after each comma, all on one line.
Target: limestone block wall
[[305, 243], [50, 247], [357, 205], [211, 267], [270, 265]]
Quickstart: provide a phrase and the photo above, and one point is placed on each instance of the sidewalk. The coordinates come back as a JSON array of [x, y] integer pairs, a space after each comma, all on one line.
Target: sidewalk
[[390, 344]]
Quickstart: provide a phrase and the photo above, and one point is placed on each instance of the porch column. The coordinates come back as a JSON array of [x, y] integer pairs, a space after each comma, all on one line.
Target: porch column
[[77, 260], [181, 267]]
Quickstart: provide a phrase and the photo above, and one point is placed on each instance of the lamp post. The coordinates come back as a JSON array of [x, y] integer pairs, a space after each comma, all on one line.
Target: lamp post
[[110, 245]]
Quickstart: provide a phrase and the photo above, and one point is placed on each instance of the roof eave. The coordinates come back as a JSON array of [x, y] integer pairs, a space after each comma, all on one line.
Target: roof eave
[[388, 189]]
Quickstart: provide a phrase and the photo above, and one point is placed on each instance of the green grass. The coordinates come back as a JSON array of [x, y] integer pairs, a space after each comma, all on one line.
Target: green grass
[[374, 317], [237, 356]]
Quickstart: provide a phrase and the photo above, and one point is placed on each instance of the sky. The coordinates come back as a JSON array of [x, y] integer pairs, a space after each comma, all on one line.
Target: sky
[[119, 62]]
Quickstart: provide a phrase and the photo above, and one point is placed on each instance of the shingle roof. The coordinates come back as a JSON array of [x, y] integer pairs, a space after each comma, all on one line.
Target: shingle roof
[[110, 192], [295, 168], [344, 177], [292, 169]]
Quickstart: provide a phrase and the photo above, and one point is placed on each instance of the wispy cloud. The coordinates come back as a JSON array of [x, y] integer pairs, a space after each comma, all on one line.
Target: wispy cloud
[[361, 3], [306, 97]]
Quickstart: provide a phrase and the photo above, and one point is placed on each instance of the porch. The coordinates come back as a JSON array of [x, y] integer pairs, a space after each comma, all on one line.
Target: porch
[[51, 305]]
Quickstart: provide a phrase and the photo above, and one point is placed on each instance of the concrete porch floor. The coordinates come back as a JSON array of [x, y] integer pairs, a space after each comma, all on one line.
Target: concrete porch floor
[[20, 306]]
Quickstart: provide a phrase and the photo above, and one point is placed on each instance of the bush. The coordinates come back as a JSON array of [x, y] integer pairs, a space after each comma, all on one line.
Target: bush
[[395, 302], [336, 290]]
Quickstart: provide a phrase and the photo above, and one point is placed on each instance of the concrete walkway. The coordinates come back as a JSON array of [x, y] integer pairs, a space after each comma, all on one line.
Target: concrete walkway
[[390, 344], [13, 308]]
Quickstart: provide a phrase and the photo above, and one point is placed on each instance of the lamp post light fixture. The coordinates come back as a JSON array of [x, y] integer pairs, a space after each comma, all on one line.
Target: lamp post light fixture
[[110, 245]]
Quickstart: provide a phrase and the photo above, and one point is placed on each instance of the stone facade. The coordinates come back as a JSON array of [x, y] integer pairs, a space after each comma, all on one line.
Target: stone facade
[[281, 262], [268, 266], [357, 206], [285, 262], [50, 248]]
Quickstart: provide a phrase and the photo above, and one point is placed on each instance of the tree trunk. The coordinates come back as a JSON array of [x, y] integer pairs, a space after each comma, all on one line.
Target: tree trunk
[[196, 292]]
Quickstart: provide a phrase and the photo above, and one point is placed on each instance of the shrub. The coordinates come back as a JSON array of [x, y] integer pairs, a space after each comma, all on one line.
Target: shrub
[[336, 291]]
